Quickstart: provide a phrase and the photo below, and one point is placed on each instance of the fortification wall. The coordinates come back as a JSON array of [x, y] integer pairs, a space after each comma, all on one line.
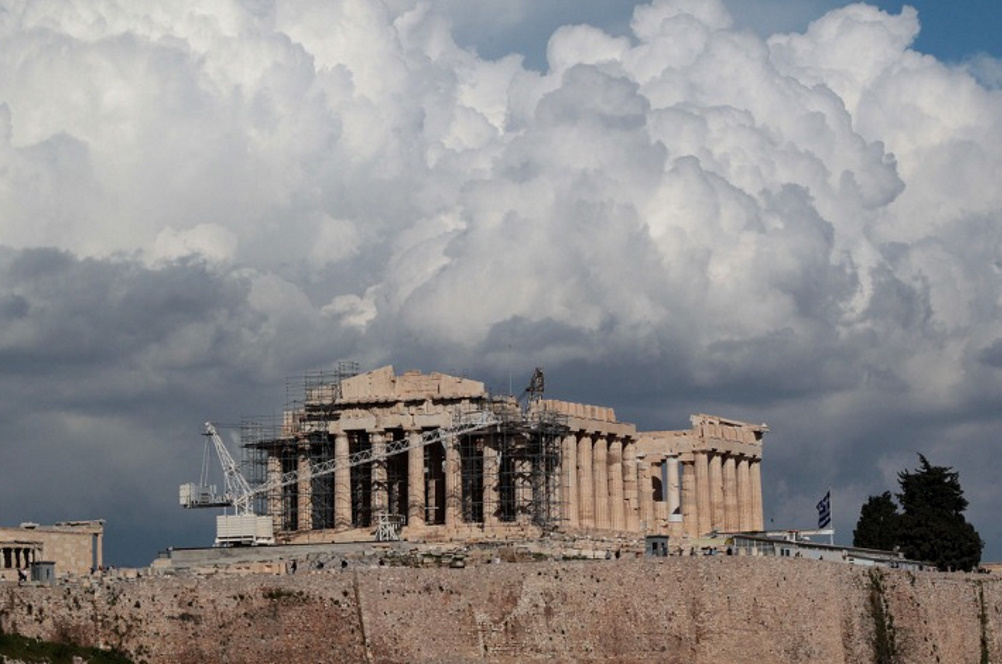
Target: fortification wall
[[693, 610]]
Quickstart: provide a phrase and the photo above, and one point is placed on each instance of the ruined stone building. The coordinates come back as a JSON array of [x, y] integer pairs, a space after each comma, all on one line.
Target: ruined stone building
[[540, 465], [75, 547]]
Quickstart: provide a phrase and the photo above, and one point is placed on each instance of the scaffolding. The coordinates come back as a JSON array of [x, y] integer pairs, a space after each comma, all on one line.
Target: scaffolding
[[506, 474], [526, 451]]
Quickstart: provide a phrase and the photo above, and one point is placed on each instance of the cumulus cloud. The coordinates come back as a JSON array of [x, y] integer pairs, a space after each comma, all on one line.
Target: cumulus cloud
[[672, 215]]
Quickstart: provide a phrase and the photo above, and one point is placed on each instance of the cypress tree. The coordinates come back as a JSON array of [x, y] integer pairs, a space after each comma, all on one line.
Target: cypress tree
[[879, 523], [930, 526], [933, 527]]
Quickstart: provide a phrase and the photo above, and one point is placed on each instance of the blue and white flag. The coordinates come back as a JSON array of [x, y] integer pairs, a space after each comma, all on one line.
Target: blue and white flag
[[825, 510]]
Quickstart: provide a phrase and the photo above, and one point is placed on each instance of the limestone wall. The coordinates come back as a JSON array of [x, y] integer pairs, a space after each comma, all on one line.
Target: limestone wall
[[70, 545], [693, 610]]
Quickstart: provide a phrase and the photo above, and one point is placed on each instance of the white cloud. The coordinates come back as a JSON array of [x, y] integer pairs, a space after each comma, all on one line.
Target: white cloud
[[804, 223], [208, 241]]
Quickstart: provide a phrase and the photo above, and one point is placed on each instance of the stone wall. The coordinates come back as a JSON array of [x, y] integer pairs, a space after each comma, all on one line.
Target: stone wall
[[74, 546], [692, 609]]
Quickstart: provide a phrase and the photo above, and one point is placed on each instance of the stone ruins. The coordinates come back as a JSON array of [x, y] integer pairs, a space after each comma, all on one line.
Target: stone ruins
[[75, 547], [543, 465]]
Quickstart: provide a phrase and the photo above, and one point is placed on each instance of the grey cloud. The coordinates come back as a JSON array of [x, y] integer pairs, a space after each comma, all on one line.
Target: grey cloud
[[992, 355], [197, 203]]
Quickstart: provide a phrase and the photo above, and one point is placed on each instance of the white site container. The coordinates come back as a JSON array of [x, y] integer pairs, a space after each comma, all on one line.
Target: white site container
[[244, 529], [197, 495]]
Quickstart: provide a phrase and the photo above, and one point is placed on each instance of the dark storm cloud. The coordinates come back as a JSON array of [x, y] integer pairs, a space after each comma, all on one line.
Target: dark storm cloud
[[673, 215]]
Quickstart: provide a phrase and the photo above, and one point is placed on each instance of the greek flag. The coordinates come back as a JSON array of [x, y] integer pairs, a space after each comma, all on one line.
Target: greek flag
[[825, 510]]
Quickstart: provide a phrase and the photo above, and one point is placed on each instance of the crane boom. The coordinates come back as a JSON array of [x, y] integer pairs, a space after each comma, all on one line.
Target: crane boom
[[237, 486]]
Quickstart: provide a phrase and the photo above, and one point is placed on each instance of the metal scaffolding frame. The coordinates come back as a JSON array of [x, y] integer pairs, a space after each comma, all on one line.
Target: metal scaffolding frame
[[523, 440], [527, 445]]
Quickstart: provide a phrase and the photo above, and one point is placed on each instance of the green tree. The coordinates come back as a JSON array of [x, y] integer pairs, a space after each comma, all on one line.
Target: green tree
[[879, 523], [930, 526], [933, 527]]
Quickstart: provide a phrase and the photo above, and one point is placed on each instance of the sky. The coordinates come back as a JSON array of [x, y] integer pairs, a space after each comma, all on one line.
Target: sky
[[771, 210]]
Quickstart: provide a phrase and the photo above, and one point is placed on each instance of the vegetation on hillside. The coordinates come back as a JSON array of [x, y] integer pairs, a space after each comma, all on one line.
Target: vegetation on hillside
[[24, 649]]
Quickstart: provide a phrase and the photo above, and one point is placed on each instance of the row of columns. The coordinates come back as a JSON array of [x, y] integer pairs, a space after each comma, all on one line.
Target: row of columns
[[726, 492], [421, 482], [17, 557], [600, 482], [604, 485], [416, 497]]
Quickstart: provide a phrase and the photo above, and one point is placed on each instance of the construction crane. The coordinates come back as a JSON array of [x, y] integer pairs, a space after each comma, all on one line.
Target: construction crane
[[244, 526], [238, 489]]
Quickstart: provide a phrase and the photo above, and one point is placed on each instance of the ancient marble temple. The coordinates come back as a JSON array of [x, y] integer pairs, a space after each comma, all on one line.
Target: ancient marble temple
[[380, 450]]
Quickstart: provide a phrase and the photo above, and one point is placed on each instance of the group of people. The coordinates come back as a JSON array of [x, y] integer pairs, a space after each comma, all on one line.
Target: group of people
[[293, 565]]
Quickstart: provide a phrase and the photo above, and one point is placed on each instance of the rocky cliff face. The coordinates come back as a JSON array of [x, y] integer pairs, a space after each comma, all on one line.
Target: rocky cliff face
[[692, 610]]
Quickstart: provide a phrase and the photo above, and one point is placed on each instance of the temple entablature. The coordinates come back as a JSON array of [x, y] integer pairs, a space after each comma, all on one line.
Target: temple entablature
[[383, 386], [586, 418]]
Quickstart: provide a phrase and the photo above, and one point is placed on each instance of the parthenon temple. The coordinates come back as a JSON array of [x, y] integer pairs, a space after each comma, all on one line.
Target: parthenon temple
[[537, 465]]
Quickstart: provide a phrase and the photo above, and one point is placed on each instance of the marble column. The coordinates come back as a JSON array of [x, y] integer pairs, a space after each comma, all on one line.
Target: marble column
[[716, 492], [342, 483], [617, 512], [586, 495], [756, 492], [99, 550], [523, 486], [674, 497], [744, 496], [453, 488], [492, 494], [704, 515], [380, 493], [600, 481], [305, 499], [415, 479], [274, 497], [631, 501], [690, 520], [731, 521], [645, 496], [570, 469]]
